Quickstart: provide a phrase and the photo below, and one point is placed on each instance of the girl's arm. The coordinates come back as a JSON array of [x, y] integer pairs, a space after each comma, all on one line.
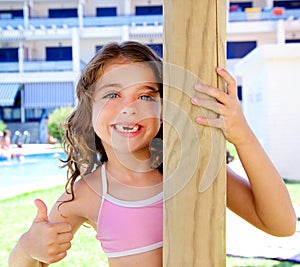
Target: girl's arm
[[44, 241], [263, 200], [48, 238]]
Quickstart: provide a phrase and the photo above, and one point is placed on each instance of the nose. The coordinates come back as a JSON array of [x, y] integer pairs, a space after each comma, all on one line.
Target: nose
[[129, 109]]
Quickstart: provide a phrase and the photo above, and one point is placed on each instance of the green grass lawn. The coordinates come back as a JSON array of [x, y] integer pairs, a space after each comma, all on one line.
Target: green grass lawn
[[17, 214], [16, 217]]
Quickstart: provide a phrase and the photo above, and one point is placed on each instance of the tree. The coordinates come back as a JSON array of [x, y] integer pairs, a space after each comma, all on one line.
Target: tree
[[56, 118], [2, 126]]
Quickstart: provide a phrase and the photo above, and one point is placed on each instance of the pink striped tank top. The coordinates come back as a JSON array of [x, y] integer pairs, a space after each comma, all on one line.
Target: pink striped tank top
[[129, 227]]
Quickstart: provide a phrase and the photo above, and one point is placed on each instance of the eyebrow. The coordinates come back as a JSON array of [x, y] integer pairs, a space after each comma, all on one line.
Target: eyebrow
[[108, 85], [119, 86], [152, 88]]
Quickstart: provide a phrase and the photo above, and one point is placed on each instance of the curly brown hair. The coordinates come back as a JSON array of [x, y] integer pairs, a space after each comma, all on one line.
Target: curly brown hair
[[83, 147]]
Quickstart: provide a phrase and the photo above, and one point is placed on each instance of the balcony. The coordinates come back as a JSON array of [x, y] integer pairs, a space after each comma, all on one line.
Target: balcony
[[149, 20], [37, 66], [264, 15], [87, 22], [145, 20]]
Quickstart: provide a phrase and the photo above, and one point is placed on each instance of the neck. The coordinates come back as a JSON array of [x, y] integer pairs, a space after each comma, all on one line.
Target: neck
[[135, 173], [129, 162]]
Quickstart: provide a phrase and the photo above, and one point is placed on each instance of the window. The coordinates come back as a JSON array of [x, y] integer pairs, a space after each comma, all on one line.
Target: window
[[10, 114], [98, 47], [106, 11], [242, 5], [8, 54], [148, 10], [157, 48], [11, 14], [239, 49], [33, 114], [239, 91], [287, 4], [63, 13], [288, 41], [58, 53]]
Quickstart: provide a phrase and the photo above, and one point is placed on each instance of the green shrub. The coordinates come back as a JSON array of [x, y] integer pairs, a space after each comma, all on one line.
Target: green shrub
[[56, 118], [2, 126]]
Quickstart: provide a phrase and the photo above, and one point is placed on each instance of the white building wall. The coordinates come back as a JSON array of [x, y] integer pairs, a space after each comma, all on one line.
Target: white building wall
[[9, 44], [12, 5], [88, 48], [271, 93], [40, 9], [38, 48]]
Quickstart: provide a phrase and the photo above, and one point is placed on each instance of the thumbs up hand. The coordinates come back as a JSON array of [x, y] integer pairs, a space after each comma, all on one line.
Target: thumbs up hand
[[47, 241], [42, 211]]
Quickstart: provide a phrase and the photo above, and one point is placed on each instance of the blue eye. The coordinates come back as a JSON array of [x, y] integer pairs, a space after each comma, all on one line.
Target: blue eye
[[147, 97], [111, 95]]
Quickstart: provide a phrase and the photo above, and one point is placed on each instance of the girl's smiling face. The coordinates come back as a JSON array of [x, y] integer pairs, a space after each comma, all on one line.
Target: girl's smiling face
[[127, 107]]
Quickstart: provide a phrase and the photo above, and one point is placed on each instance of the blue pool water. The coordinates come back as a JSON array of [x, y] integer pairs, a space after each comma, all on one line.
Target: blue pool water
[[34, 168]]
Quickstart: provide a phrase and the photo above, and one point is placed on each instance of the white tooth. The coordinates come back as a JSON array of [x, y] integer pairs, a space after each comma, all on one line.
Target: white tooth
[[127, 129]]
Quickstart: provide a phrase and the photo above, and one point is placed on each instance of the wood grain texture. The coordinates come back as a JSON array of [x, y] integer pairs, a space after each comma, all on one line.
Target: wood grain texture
[[194, 215]]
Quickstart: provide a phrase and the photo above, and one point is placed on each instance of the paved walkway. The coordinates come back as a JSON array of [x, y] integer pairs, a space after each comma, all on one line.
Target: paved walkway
[[14, 190], [242, 239], [36, 148]]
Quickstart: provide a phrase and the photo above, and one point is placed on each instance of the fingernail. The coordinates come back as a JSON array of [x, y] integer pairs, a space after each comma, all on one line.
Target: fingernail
[[219, 69], [198, 85], [194, 100], [198, 119]]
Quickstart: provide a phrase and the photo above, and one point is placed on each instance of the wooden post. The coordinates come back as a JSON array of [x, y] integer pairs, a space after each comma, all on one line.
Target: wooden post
[[194, 158]]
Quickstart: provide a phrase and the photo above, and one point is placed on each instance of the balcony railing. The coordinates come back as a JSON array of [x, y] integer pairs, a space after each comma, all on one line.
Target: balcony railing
[[236, 16], [87, 21], [123, 20], [37, 66], [263, 15]]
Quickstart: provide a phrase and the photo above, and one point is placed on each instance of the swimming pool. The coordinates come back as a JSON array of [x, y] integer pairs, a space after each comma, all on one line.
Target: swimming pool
[[35, 171]]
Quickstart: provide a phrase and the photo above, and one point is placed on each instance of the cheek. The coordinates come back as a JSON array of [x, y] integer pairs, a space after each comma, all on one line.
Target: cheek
[[150, 110], [153, 126], [99, 114], [158, 125], [96, 116]]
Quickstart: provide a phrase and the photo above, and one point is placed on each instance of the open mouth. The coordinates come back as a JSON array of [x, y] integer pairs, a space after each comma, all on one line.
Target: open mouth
[[127, 128]]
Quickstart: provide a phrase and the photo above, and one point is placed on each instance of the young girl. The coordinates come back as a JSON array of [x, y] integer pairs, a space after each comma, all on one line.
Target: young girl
[[115, 170]]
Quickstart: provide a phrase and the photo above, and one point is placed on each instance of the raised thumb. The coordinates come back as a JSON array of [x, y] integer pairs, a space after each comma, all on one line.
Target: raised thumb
[[42, 211]]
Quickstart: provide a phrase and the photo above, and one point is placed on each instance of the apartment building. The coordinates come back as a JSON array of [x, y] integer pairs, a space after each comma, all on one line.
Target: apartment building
[[45, 44]]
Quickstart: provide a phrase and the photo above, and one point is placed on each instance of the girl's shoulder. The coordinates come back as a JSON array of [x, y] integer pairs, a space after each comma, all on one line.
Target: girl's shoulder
[[89, 188], [87, 199], [90, 184]]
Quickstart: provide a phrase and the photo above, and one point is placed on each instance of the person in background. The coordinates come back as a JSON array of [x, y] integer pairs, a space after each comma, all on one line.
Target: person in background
[[5, 140], [5, 151]]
